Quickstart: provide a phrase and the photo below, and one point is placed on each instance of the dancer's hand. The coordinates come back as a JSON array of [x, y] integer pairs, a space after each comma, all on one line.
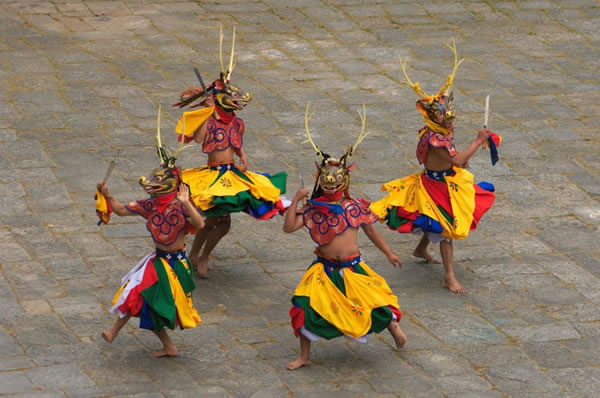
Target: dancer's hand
[[302, 193], [103, 189], [244, 162], [395, 260], [183, 194], [482, 136]]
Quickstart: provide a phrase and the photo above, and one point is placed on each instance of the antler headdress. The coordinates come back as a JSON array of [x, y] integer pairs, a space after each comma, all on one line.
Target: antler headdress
[[441, 101], [167, 158], [225, 95], [166, 178], [333, 173]]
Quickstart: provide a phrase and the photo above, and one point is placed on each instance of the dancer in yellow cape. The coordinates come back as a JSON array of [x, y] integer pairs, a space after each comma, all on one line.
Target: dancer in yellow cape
[[442, 201], [339, 294], [222, 187]]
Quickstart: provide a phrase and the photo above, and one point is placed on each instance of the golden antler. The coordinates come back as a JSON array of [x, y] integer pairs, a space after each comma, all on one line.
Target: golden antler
[[415, 86], [315, 147], [159, 148], [450, 78], [362, 135], [231, 64], [181, 146], [221, 50]]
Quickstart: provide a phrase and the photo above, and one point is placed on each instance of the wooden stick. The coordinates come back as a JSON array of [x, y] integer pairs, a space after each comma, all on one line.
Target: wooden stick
[[111, 166]]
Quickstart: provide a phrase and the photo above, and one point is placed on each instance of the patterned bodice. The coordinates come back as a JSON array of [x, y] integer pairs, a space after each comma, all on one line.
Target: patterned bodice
[[435, 140], [324, 227], [220, 135], [164, 226]]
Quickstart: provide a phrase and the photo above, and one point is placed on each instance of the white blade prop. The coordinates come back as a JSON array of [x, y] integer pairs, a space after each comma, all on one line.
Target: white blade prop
[[486, 115], [301, 180]]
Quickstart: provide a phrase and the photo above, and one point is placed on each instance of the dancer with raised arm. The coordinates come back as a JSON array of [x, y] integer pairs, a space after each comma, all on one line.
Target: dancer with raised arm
[[339, 294], [158, 289], [441, 202]]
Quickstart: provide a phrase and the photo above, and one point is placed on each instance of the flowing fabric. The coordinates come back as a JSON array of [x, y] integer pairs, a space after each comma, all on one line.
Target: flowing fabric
[[224, 189], [446, 202], [342, 298], [158, 290]]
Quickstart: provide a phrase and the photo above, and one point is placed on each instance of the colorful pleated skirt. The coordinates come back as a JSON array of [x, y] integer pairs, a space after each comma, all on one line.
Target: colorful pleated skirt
[[158, 290], [440, 202], [219, 190], [342, 298]]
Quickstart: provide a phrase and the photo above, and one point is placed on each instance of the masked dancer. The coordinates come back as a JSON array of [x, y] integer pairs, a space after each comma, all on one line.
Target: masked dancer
[[339, 294], [222, 187], [158, 289], [441, 202]]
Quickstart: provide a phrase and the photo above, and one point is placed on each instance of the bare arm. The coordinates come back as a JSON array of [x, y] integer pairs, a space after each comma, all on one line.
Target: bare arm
[[200, 133], [293, 221], [375, 237], [195, 218], [461, 159], [116, 206], [243, 159]]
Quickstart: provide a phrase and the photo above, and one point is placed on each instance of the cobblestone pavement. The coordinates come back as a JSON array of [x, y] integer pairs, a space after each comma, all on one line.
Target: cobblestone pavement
[[80, 82]]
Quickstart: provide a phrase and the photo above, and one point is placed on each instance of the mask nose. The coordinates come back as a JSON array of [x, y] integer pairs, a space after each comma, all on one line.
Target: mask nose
[[329, 179], [449, 115]]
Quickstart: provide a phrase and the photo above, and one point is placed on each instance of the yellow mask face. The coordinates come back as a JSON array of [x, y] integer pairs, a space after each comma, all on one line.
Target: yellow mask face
[[230, 98], [161, 181], [333, 176]]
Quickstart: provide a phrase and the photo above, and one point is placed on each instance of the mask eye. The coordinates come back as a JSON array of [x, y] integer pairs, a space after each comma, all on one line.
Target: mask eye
[[340, 177]]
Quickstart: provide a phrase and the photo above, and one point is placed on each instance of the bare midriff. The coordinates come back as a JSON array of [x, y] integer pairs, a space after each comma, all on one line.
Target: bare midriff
[[342, 246], [221, 157], [435, 161], [179, 244]]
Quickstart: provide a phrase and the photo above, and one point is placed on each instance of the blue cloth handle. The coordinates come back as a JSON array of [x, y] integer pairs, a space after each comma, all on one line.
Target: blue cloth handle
[[493, 151]]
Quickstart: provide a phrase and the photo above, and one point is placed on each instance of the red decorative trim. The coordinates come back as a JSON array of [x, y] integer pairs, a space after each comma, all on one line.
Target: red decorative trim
[[396, 312], [297, 315]]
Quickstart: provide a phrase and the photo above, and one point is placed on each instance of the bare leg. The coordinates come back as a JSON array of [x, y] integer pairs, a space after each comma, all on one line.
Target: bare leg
[[421, 250], [109, 335], [222, 226], [199, 240], [169, 349], [397, 334], [304, 359], [450, 282]]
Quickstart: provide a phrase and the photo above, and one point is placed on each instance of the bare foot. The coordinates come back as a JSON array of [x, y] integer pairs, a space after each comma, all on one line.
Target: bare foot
[[201, 266], [454, 286], [165, 352], [108, 336], [298, 363], [426, 256], [397, 334]]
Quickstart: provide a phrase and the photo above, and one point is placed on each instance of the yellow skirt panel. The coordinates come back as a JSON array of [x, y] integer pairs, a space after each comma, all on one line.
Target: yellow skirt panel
[[187, 314], [350, 313], [410, 194], [205, 184]]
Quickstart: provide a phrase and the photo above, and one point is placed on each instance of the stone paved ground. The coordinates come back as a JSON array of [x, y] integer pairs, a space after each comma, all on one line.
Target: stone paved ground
[[80, 82]]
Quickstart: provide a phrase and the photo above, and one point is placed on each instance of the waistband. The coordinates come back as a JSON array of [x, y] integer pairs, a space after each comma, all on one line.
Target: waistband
[[221, 166], [439, 174], [175, 254], [343, 263]]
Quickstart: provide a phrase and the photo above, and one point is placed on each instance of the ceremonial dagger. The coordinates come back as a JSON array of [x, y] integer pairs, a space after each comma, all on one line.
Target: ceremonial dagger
[[197, 72], [491, 143], [486, 115], [301, 180]]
